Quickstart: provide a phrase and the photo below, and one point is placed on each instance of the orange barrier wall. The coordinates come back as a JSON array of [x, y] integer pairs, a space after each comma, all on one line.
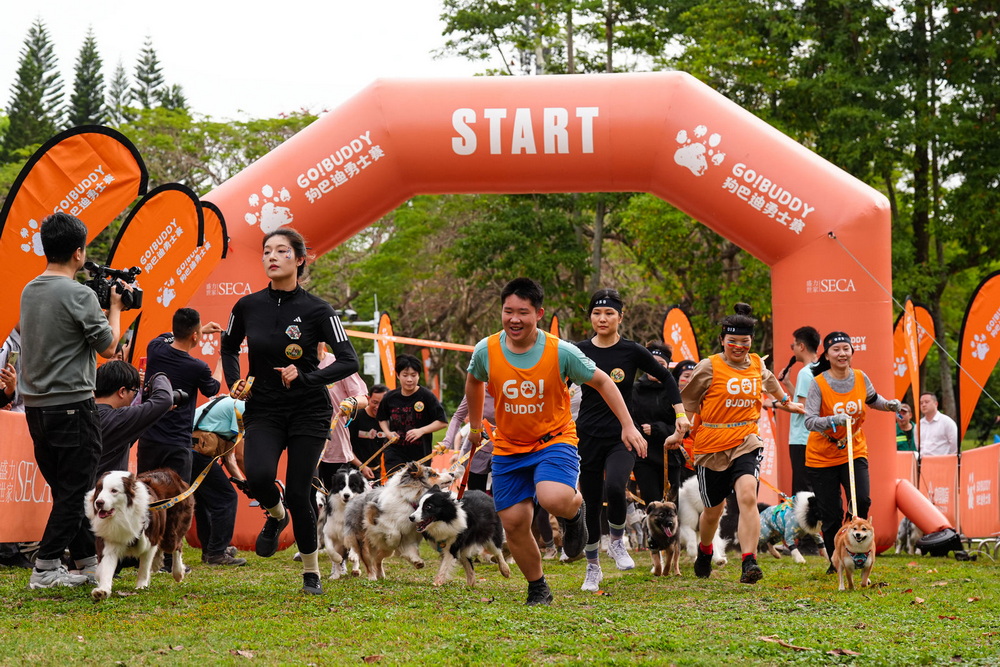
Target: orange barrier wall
[[25, 498], [939, 483], [979, 510], [664, 133], [906, 467]]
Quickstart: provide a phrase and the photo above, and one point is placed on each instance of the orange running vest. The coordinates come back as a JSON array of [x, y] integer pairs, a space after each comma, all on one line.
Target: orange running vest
[[821, 451], [532, 405], [731, 407]]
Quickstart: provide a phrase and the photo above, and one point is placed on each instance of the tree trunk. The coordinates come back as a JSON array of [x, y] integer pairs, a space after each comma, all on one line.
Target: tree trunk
[[570, 55], [597, 254]]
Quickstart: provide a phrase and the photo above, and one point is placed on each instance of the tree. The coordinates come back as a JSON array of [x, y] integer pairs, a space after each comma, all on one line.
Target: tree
[[119, 96], [148, 77], [87, 101], [172, 97], [35, 110]]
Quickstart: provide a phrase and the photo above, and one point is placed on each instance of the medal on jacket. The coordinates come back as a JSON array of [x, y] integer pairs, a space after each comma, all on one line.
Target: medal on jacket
[[418, 406], [293, 332], [617, 374], [293, 351]]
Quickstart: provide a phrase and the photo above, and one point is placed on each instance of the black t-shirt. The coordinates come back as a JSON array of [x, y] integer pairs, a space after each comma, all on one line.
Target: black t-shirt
[[621, 361], [365, 436], [408, 412], [650, 405], [185, 373], [283, 328]]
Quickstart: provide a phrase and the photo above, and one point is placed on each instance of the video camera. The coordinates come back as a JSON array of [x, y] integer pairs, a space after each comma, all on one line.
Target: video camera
[[103, 277]]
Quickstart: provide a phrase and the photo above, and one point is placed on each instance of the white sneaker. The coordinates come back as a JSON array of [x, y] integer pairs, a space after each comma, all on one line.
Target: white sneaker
[[618, 551], [57, 577], [550, 553], [592, 580]]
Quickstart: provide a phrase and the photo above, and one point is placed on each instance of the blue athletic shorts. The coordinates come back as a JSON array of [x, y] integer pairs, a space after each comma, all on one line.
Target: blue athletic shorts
[[516, 475]]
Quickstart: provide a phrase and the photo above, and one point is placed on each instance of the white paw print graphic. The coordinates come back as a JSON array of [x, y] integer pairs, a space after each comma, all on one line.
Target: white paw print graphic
[[696, 151], [33, 238], [979, 346], [675, 333], [266, 211], [208, 345], [166, 293], [901, 366]]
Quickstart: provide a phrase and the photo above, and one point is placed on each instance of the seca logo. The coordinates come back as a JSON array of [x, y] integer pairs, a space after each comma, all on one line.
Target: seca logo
[[826, 285], [745, 386], [229, 289], [527, 389], [850, 407]]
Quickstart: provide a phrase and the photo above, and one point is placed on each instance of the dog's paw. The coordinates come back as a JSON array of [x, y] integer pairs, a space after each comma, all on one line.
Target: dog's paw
[[504, 569], [439, 581], [656, 572], [100, 593], [419, 564]]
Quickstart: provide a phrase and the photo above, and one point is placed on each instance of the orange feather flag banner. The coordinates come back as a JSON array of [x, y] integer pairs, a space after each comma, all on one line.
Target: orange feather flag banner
[[385, 342], [979, 349], [678, 332], [554, 325], [925, 339], [91, 172], [164, 236], [912, 355]]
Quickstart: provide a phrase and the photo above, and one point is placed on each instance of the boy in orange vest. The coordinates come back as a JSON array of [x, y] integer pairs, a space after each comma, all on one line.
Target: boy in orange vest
[[535, 442]]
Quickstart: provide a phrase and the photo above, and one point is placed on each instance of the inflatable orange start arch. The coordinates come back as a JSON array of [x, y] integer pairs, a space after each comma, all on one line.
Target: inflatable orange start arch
[[662, 133]]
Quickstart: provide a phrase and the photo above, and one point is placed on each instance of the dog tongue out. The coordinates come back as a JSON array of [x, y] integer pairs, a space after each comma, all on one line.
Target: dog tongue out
[[668, 532], [104, 514], [422, 526]]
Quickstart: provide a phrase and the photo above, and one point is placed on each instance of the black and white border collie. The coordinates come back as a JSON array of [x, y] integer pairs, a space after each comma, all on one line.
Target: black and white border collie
[[346, 484], [461, 529], [119, 514]]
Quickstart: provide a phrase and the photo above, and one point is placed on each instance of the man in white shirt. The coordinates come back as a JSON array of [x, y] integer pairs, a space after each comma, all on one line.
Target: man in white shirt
[[938, 432]]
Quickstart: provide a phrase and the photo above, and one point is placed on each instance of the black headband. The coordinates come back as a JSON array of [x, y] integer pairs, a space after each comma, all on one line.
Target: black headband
[[837, 337], [737, 331], [659, 353], [607, 302]]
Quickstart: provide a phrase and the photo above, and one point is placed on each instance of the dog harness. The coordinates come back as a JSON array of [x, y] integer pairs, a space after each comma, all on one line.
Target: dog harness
[[859, 559]]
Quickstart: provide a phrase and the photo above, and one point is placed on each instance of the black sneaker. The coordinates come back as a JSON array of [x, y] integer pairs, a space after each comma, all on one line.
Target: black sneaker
[[831, 569], [703, 565], [574, 534], [539, 593], [310, 584], [267, 541], [751, 571]]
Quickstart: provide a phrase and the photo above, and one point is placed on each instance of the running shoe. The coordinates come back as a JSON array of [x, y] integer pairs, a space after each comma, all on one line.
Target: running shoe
[[310, 584], [267, 541], [539, 594], [574, 534], [60, 576], [703, 565], [592, 580], [751, 571], [618, 551]]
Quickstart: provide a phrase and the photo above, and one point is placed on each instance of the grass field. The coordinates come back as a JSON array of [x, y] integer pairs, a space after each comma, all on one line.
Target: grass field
[[922, 611]]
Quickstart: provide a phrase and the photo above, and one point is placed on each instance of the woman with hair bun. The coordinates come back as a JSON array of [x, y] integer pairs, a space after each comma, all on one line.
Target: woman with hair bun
[[288, 407], [839, 392], [724, 393]]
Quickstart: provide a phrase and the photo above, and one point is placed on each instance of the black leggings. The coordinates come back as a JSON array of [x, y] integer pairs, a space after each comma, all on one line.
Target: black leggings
[[826, 484], [608, 482], [264, 444]]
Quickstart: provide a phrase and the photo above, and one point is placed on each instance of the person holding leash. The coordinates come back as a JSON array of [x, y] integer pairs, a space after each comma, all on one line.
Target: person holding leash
[[605, 460], [535, 442], [288, 407], [839, 392], [725, 391]]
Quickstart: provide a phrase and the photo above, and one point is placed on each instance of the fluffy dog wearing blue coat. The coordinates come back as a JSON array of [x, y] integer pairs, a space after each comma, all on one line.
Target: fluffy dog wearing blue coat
[[790, 522]]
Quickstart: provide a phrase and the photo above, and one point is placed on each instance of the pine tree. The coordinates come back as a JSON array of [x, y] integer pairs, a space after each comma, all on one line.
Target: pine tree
[[148, 76], [35, 109], [119, 96], [172, 97], [86, 105]]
